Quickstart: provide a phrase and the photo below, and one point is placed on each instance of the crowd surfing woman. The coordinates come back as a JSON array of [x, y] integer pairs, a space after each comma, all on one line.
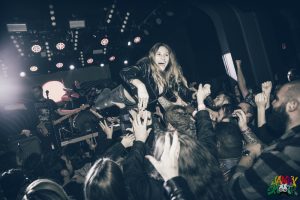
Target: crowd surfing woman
[[155, 75]]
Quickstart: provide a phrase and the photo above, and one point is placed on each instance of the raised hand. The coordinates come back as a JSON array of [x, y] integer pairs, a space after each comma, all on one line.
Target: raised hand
[[203, 92], [266, 87], [242, 119], [261, 100], [127, 140], [139, 126], [106, 129], [143, 97], [168, 166]]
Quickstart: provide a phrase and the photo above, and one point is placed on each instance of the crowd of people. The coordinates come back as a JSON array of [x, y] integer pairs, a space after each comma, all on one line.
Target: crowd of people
[[179, 141]]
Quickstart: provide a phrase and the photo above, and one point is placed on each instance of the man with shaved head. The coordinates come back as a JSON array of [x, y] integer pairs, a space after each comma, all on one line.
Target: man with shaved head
[[259, 170]]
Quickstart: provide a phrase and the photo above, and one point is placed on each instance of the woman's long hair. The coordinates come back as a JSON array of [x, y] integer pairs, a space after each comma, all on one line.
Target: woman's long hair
[[173, 71], [105, 181], [198, 166]]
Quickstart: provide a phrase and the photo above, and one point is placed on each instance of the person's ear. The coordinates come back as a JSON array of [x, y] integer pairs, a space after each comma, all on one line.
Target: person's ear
[[292, 105]]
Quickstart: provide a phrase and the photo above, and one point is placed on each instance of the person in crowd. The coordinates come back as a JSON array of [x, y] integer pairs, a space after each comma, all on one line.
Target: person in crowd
[[12, 182], [46, 111], [195, 160], [45, 189], [229, 146], [257, 169], [105, 181], [155, 75]]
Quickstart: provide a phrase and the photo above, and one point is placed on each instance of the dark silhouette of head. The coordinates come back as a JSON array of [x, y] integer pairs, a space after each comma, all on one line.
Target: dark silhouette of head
[[105, 181], [179, 118], [12, 182], [229, 140]]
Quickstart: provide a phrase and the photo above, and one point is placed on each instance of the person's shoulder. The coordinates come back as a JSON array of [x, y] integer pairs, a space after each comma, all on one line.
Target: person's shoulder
[[145, 61]]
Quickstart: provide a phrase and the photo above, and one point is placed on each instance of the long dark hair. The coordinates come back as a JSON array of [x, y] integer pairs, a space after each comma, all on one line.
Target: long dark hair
[[105, 181], [198, 166]]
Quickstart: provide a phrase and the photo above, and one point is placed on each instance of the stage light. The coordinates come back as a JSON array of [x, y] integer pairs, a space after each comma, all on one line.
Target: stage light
[[122, 30], [19, 50], [102, 65], [22, 74], [104, 41], [75, 48], [125, 62], [126, 18], [14, 41], [128, 13], [53, 23], [72, 67], [158, 21], [112, 58], [112, 11], [22, 54], [108, 21], [90, 60], [51, 12], [59, 65], [49, 59], [55, 88], [52, 18], [110, 16], [34, 68], [60, 46], [137, 39], [17, 46], [129, 43], [36, 48], [123, 26]]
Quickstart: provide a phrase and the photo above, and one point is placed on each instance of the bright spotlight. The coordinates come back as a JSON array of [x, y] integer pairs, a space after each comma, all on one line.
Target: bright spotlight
[[129, 43], [125, 62], [60, 46], [22, 74], [104, 41], [36, 48], [102, 65], [137, 39], [90, 60], [112, 58], [59, 65], [56, 90], [34, 68], [72, 67]]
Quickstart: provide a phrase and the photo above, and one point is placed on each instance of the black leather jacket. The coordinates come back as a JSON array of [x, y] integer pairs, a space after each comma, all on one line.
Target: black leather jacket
[[142, 71], [178, 189]]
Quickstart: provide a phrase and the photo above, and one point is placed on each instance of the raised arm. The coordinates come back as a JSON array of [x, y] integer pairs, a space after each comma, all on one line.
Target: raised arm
[[241, 79]]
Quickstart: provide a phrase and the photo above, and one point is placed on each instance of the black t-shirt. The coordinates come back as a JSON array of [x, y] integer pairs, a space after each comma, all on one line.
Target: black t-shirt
[[45, 111]]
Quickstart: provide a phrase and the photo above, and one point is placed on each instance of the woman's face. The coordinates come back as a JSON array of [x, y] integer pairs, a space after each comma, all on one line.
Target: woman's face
[[162, 57]]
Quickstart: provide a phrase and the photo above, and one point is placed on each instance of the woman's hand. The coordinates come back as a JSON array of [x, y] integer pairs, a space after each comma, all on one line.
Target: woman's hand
[[106, 129], [143, 97]]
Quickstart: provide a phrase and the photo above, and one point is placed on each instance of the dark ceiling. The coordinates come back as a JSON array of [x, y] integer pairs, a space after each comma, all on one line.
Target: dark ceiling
[[81, 44], [47, 23]]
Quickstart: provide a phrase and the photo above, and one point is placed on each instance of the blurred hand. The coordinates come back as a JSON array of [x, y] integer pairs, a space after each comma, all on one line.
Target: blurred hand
[[26, 132], [127, 140], [242, 119], [168, 164], [139, 126], [203, 92], [261, 100], [106, 129], [143, 97], [266, 87]]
